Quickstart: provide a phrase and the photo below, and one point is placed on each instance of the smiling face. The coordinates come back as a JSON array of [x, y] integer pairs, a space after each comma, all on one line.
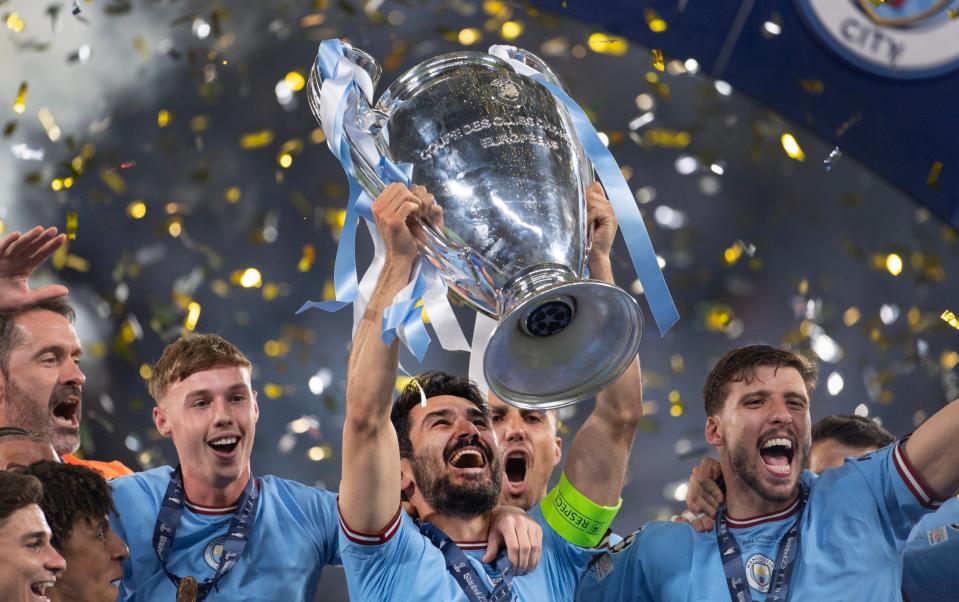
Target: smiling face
[[530, 451], [762, 432], [455, 464], [94, 556], [30, 566], [211, 417], [42, 381]]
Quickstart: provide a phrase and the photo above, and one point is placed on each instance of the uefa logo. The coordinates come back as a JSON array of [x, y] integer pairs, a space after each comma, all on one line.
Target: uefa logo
[[905, 39]]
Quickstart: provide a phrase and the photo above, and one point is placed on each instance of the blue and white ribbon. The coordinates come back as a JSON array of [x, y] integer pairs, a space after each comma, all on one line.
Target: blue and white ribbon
[[631, 223], [343, 83]]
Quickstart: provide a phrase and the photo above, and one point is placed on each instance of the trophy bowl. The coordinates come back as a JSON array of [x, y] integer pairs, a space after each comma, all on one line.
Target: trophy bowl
[[502, 159]]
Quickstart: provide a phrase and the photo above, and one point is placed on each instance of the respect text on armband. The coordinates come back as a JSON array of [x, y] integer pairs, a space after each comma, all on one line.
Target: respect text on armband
[[574, 517]]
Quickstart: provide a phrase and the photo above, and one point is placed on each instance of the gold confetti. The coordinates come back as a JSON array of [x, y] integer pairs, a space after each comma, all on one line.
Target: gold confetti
[[851, 316], [232, 194], [510, 30], [469, 36], [71, 225], [950, 319], [48, 123], [659, 63], [812, 86], [718, 318], [15, 22], [933, 178], [953, 13], [320, 452], [20, 103], [199, 123], [317, 136], [295, 80], [274, 348], [75, 262], [273, 390], [894, 264], [251, 278], [254, 140], [192, 316], [306, 261], [732, 254], [666, 138], [792, 148], [285, 160], [163, 118], [137, 209], [676, 410], [653, 21], [175, 227], [605, 44], [146, 371]]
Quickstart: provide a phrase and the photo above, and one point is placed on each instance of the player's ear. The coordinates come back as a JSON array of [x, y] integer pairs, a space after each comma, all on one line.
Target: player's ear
[[407, 484], [161, 421], [714, 431]]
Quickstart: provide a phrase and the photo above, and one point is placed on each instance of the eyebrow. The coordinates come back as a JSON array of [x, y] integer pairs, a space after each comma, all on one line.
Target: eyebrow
[[27, 537], [768, 393], [58, 350], [207, 392]]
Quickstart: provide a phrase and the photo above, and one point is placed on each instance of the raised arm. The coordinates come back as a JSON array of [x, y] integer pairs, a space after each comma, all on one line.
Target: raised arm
[[933, 451], [370, 485], [20, 254], [596, 465]]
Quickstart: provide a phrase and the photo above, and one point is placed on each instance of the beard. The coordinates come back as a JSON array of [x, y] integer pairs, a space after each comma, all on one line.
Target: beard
[[475, 497], [749, 473], [25, 412]]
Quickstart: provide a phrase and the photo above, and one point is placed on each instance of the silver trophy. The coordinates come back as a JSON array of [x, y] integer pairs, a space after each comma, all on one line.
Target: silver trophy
[[502, 159]]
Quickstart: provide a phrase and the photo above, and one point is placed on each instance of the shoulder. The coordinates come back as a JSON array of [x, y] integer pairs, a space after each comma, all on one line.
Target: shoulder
[[299, 499], [149, 481], [295, 489]]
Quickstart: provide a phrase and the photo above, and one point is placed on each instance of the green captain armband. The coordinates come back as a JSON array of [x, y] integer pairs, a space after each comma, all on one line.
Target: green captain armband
[[575, 517]]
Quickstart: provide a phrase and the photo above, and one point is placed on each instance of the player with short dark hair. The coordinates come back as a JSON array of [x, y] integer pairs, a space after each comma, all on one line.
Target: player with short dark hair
[[20, 448], [76, 502]]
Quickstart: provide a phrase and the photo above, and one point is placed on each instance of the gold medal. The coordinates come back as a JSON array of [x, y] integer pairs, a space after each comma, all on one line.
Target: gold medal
[[186, 591]]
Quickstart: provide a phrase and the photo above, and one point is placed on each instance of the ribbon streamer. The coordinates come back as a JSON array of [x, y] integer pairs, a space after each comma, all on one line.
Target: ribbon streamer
[[631, 223], [343, 82]]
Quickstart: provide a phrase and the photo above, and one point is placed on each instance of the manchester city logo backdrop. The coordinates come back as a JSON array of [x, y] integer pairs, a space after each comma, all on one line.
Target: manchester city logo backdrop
[[906, 39]]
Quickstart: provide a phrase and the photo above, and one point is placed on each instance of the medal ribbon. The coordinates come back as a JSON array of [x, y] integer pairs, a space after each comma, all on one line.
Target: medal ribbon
[[731, 556], [458, 564], [238, 533]]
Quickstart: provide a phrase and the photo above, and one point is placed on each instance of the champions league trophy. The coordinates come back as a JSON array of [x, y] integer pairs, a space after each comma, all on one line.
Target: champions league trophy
[[501, 157]]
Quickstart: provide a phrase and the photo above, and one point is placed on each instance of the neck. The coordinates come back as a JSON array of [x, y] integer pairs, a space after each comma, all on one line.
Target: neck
[[458, 528], [213, 495]]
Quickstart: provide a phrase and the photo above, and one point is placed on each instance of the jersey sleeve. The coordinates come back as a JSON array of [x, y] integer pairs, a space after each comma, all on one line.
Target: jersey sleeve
[[564, 563], [327, 526], [886, 477], [378, 565]]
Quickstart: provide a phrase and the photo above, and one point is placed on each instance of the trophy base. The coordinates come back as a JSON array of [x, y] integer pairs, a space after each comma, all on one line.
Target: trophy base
[[563, 345]]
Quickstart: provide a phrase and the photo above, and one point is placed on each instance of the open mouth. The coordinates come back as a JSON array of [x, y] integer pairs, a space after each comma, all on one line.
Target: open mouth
[[777, 454], [39, 590], [466, 457], [224, 446], [515, 466], [67, 412]]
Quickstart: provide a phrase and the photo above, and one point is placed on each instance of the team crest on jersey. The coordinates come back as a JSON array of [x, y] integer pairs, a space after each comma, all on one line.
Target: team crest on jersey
[[213, 552], [937, 535], [896, 38], [759, 572]]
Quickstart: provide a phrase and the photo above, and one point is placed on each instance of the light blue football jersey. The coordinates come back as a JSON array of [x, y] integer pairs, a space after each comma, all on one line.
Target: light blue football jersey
[[930, 570], [853, 530], [400, 564], [294, 536]]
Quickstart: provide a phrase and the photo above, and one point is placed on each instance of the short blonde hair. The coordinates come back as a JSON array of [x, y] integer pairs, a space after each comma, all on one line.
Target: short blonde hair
[[191, 354]]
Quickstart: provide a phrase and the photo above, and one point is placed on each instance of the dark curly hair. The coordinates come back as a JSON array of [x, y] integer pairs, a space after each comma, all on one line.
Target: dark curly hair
[[70, 493], [739, 365], [17, 491], [854, 431], [433, 384]]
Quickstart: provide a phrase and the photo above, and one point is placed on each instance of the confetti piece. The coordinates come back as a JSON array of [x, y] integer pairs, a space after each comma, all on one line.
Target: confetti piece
[[20, 104], [15, 22], [49, 124], [659, 63], [254, 140], [306, 261], [163, 118], [950, 319], [933, 178], [602, 43], [812, 86], [792, 148], [25, 153], [953, 13], [114, 180], [192, 316], [833, 157], [469, 36], [71, 225], [653, 21], [76, 7], [137, 209]]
